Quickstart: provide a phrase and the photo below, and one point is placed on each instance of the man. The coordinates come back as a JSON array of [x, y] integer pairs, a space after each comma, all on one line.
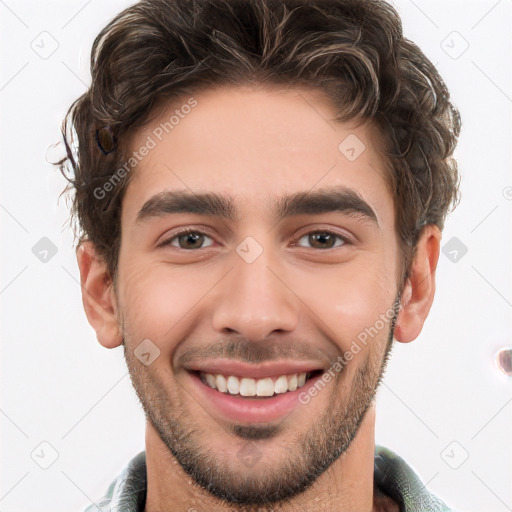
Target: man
[[260, 189]]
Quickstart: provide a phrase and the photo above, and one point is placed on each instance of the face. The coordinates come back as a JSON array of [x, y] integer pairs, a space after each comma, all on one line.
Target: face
[[287, 274]]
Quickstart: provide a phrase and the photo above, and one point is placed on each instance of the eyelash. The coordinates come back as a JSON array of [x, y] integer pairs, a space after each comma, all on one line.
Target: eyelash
[[188, 231]]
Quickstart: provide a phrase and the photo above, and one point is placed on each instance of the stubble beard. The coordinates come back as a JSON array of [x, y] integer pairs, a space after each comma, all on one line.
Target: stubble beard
[[305, 454]]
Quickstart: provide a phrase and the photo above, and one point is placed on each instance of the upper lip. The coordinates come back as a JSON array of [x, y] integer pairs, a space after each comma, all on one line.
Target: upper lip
[[259, 371]]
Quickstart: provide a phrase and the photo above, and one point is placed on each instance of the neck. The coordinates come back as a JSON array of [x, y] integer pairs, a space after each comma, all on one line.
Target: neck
[[344, 487]]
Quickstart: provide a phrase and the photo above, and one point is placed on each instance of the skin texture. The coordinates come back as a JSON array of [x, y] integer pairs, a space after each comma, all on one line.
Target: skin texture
[[298, 300]]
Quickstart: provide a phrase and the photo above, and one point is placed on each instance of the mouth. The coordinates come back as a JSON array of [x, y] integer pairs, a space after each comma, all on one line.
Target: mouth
[[245, 394], [247, 387]]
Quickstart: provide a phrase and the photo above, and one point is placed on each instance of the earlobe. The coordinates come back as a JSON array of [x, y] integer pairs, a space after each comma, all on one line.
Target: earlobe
[[98, 297], [419, 289]]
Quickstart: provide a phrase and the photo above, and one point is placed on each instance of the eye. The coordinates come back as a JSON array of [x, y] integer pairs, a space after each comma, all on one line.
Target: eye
[[186, 239], [192, 239], [324, 239]]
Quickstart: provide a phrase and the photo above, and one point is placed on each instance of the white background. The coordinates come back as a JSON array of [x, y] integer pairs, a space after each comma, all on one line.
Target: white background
[[443, 398]]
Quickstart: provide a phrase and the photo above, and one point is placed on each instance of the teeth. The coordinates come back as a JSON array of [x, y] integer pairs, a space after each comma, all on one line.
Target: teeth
[[233, 385], [211, 380], [245, 386], [292, 382], [281, 385], [220, 380], [264, 387]]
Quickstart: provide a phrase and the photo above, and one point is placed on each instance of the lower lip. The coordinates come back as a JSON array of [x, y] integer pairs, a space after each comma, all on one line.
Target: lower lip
[[250, 410]]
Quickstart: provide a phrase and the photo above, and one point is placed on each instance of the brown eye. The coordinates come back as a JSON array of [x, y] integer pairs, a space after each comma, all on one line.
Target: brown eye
[[324, 239], [187, 240]]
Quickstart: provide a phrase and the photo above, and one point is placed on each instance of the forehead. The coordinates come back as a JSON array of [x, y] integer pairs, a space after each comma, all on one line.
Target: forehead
[[256, 145]]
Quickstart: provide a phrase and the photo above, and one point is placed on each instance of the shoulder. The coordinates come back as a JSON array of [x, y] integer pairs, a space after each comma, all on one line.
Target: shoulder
[[398, 480], [127, 492]]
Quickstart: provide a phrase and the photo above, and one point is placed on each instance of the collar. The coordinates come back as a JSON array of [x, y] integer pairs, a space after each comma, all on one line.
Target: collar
[[392, 475]]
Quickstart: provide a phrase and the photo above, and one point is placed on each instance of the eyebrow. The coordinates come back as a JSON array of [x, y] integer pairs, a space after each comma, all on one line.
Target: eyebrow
[[328, 200]]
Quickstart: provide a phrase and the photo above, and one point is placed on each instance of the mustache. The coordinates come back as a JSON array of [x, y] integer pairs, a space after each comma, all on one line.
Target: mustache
[[255, 352]]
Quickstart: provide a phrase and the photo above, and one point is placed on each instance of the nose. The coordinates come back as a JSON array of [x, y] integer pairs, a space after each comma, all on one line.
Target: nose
[[255, 299]]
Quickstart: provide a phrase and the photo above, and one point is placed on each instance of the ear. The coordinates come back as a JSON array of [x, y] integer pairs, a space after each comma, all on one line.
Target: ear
[[419, 289], [98, 295]]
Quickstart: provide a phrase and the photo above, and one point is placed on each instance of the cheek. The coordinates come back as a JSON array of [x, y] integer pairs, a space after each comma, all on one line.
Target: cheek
[[157, 300], [348, 300]]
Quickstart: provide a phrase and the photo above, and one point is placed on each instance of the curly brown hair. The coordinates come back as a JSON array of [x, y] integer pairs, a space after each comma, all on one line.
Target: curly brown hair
[[353, 50]]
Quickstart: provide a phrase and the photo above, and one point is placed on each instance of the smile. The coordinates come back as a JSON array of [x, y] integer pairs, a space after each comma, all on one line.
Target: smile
[[247, 386], [242, 393]]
